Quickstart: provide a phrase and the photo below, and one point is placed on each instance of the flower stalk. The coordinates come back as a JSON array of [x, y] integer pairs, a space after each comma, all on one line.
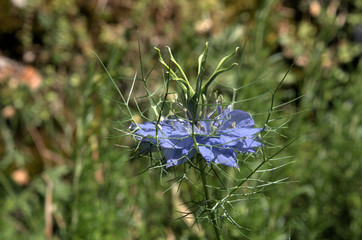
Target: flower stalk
[[209, 205]]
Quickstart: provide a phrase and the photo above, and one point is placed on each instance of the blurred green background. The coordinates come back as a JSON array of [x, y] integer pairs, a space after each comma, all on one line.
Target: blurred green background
[[62, 173]]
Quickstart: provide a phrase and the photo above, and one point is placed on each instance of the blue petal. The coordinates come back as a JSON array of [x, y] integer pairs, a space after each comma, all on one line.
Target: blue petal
[[206, 153], [205, 126], [225, 156], [179, 143], [177, 124], [147, 129], [239, 118], [222, 140], [170, 133], [220, 156], [177, 156], [247, 145]]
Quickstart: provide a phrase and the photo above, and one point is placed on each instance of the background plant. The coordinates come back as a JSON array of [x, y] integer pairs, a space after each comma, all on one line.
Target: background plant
[[59, 134]]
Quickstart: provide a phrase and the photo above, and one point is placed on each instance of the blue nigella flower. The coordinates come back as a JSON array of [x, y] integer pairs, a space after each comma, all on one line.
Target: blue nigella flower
[[218, 139]]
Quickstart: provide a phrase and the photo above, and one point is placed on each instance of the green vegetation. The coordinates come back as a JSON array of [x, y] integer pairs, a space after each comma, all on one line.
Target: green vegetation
[[63, 171]]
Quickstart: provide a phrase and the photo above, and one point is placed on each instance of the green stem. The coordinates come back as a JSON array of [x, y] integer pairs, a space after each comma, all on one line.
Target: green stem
[[209, 205]]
